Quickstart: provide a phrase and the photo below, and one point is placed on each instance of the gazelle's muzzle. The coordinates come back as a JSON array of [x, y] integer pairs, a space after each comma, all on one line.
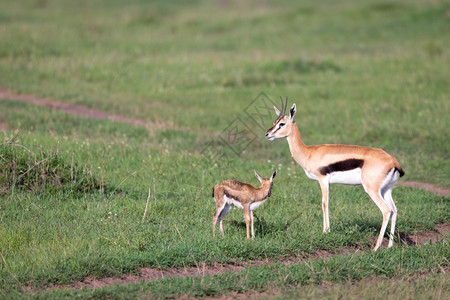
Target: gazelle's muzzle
[[269, 136]]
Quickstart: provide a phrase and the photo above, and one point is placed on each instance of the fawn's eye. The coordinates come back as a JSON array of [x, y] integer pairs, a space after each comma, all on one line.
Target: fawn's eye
[[282, 124]]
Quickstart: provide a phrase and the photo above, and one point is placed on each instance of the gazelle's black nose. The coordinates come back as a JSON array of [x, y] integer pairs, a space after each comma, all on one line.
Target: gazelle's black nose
[[267, 134]]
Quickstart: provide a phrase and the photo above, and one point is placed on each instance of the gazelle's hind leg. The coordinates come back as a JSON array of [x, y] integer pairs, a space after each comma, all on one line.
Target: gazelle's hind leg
[[216, 215], [222, 215], [388, 199], [221, 211], [379, 189], [386, 193], [375, 193], [385, 210]]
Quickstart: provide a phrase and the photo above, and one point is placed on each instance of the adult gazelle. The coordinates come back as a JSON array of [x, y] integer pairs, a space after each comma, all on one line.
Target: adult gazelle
[[374, 169]]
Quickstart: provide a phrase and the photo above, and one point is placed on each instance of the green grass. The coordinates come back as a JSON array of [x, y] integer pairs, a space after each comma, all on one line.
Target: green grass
[[384, 264], [97, 229], [73, 191], [414, 287], [380, 74]]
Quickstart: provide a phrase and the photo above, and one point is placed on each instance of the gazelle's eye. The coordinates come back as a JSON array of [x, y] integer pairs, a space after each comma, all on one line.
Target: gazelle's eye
[[282, 124]]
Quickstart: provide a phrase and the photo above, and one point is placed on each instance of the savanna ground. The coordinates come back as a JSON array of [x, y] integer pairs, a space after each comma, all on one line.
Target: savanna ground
[[102, 101]]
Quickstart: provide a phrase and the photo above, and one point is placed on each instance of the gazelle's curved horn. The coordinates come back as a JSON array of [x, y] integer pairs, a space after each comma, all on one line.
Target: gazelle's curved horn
[[285, 106], [282, 108]]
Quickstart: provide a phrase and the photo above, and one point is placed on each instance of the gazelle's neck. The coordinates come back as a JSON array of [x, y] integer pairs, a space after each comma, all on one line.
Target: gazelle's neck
[[298, 149], [264, 192]]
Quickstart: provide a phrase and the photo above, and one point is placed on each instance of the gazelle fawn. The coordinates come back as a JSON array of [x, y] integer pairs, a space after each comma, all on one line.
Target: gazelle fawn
[[373, 168], [230, 193]]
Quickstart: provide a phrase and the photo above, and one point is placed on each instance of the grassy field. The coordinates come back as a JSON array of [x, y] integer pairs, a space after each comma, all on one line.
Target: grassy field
[[73, 190]]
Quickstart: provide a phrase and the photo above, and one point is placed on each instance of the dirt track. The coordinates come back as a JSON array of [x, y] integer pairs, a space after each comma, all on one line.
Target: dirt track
[[148, 274], [83, 111]]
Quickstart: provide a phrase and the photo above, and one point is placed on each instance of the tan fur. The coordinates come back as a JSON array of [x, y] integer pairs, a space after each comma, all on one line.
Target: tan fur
[[244, 194], [378, 171]]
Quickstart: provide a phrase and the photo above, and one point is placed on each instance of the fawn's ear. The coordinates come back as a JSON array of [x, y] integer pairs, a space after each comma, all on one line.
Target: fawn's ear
[[259, 177], [273, 175], [292, 112]]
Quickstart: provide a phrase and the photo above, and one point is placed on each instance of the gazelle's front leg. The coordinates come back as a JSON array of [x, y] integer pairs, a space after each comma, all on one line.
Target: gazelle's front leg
[[325, 188], [251, 217], [247, 219]]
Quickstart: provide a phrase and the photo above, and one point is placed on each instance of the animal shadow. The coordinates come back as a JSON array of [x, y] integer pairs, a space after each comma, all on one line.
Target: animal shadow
[[261, 226], [399, 237]]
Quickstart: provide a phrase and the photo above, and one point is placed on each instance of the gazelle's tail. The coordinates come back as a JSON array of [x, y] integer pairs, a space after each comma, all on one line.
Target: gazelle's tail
[[400, 171]]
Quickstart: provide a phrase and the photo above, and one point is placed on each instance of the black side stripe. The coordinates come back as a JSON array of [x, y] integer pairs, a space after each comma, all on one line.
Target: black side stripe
[[341, 166]]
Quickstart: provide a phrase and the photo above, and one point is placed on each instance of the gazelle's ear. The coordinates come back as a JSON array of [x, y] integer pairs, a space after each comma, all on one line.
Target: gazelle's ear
[[273, 175], [277, 111], [257, 176], [292, 112]]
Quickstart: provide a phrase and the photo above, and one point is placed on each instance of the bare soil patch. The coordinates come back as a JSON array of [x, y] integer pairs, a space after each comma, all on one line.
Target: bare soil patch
[[85, 111], [427, 186], [3, 126], [148, 274], [365, 288]]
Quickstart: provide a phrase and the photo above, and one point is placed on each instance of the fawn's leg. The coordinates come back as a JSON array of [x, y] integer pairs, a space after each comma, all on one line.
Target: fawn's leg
[[247, 219]]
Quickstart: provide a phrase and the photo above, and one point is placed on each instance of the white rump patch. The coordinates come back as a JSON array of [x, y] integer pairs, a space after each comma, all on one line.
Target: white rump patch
[[389, 181]]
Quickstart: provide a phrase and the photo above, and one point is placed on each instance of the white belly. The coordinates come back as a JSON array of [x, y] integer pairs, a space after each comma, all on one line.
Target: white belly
[[233, 202], [352, 177], [310, 176], [255, 205]]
